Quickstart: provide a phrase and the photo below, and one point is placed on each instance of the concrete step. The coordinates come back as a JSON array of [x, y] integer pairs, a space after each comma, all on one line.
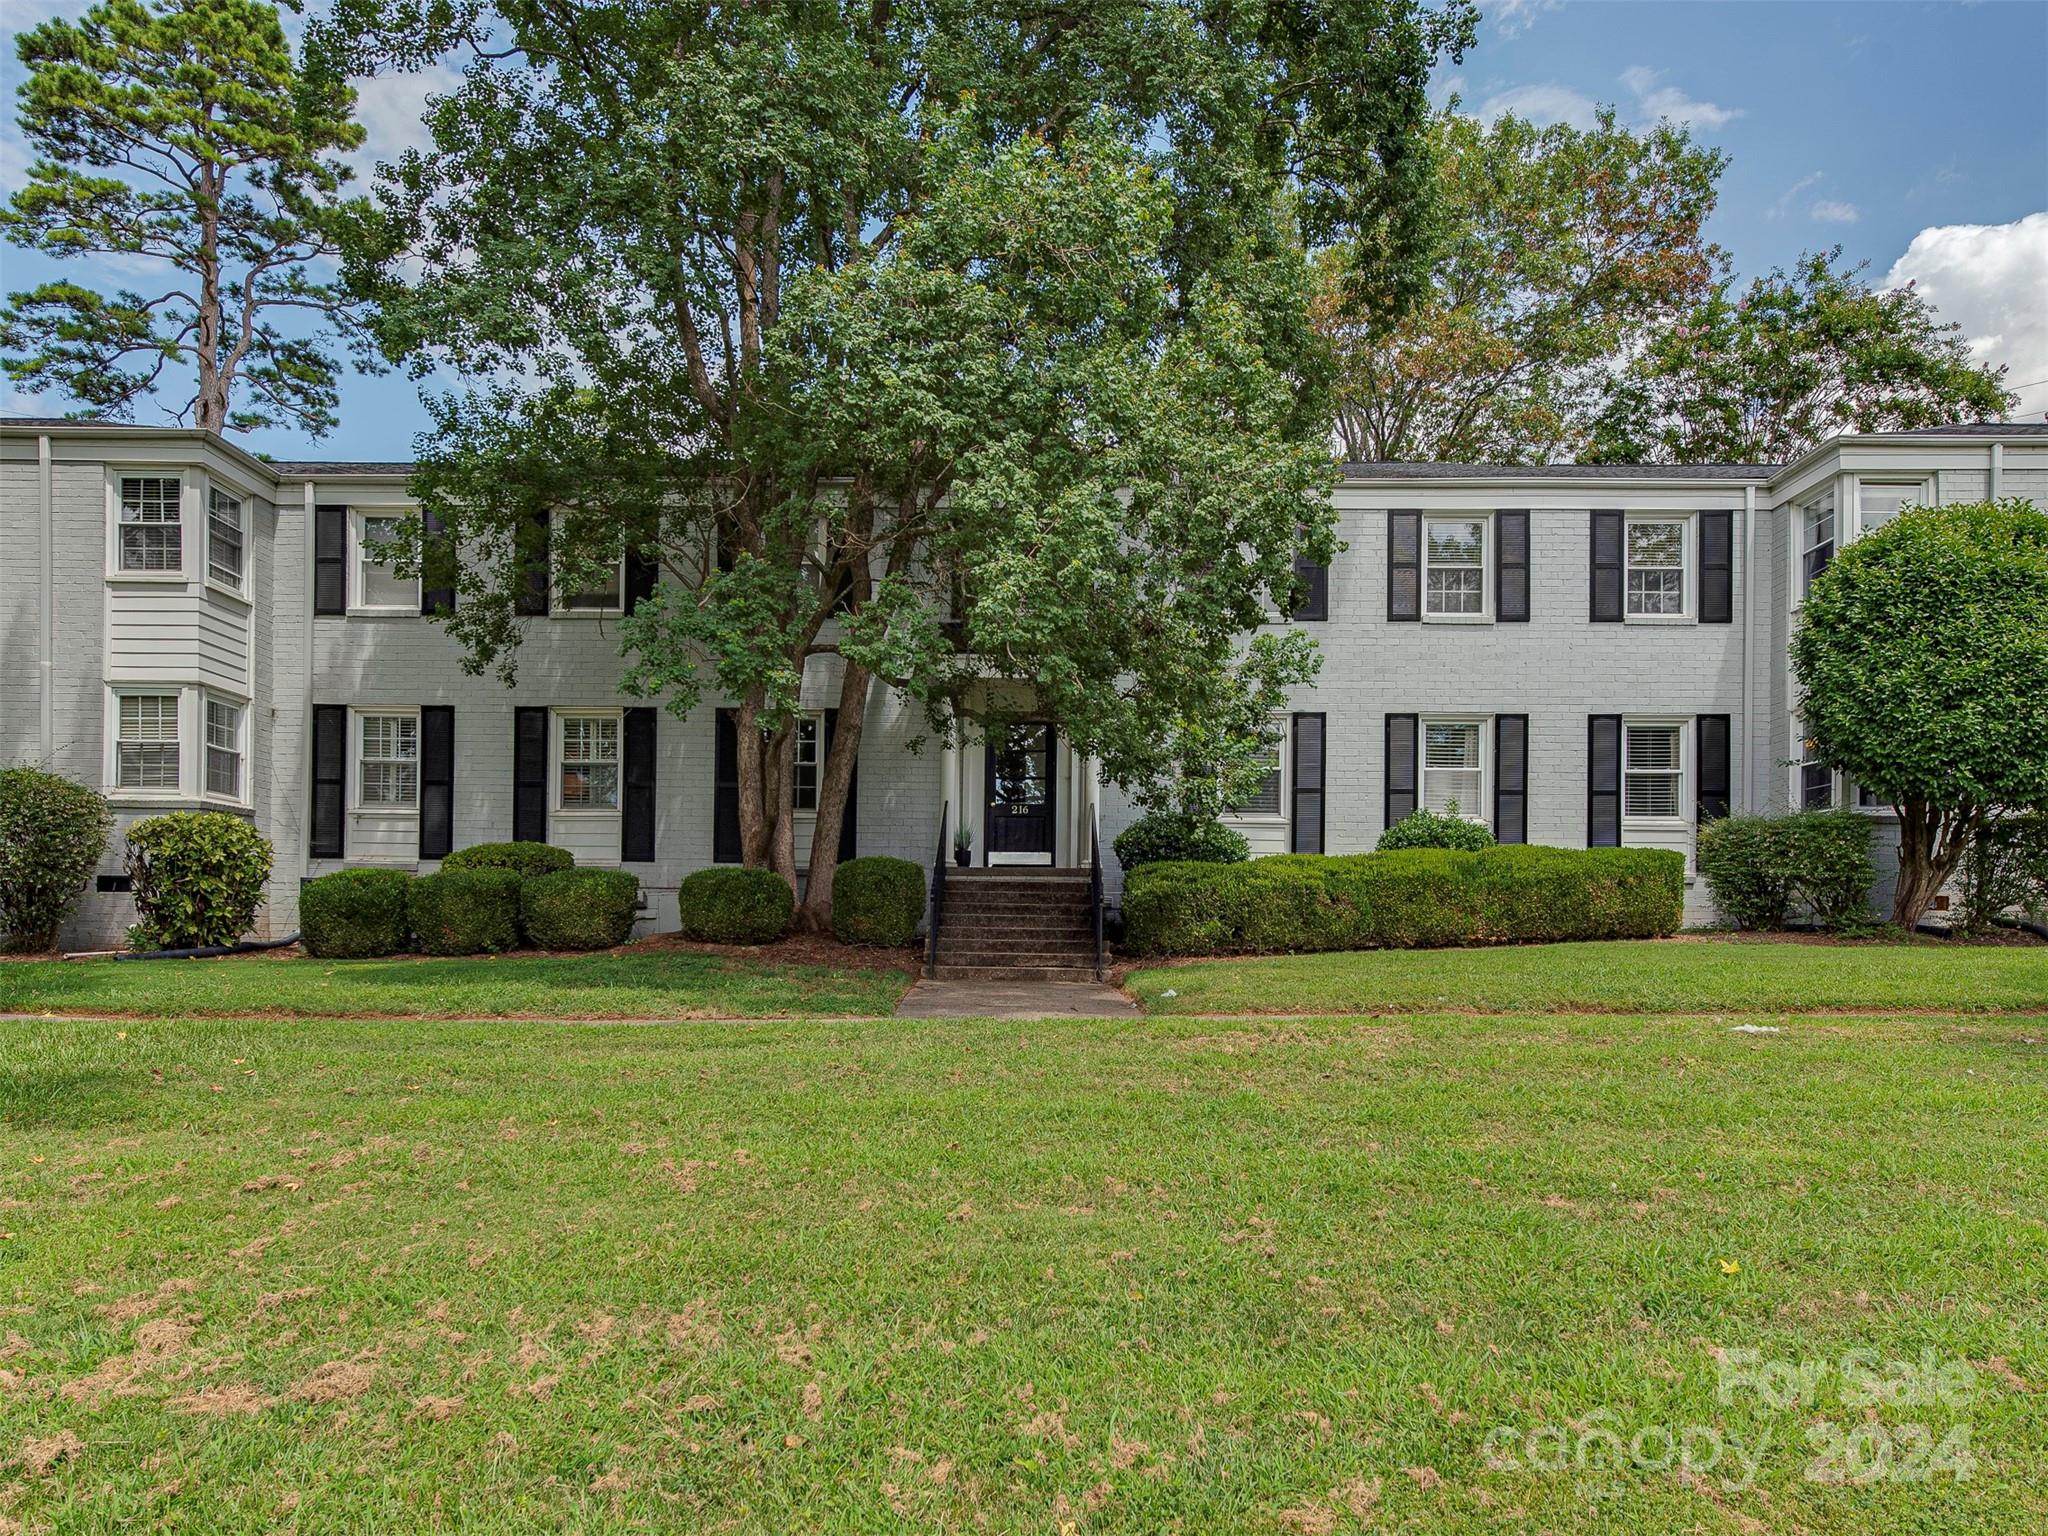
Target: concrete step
[[1026, 922], [946, 971], [1031, 950]]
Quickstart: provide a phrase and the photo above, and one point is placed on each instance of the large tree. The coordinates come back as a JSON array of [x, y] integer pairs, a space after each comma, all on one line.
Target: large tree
[[1922, 662], [181, 134], [966, 343], [1761, 376], [1561, 249]]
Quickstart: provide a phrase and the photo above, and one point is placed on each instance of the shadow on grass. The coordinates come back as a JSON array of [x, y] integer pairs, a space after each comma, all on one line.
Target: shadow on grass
[[65, 1100]]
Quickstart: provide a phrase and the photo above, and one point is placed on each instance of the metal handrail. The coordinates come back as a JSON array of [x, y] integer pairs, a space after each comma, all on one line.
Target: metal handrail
[[935, 900], [1095, 880]]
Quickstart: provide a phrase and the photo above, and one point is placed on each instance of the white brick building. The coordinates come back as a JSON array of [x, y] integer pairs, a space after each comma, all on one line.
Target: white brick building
[[1590, 654]]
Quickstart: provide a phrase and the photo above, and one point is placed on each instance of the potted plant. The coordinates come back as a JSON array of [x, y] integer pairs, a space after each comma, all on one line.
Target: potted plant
[[963, 847]]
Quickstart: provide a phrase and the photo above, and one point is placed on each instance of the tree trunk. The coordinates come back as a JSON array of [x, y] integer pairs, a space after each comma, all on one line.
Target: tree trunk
[[835, 782], [1931, 844], [211, 404]]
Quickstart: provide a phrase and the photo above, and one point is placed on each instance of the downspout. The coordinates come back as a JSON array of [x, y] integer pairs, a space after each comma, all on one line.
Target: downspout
[[1746, 802], [1997, 469], [47, 618]]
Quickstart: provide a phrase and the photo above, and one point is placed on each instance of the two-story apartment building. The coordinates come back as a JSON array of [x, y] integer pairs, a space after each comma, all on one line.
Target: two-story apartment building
[[1576, 655]]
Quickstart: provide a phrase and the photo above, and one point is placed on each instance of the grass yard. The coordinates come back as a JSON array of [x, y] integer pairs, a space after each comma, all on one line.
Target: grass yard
[[1669, 976], [633, 984], [1285, 1276]]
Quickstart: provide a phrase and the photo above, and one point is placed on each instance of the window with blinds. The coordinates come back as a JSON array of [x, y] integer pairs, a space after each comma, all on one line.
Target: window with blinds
[[388, 772], [589, 776], [151, 536], [146, 746], [1267, 802], [1656, 568], [223, 749], [1453, 772], [1877, 503], [1818, 525], [1653, 772], [224, 539]]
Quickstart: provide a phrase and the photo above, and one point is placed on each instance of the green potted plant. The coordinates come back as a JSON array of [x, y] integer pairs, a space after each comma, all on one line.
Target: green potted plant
[[963, 847]]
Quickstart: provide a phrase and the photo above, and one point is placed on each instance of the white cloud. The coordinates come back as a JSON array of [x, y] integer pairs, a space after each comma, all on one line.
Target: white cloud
[[1514, 17], [391, 109], [1778, 209], [1667, 103], [1832, 211], [1992, 279], [1541, 104]]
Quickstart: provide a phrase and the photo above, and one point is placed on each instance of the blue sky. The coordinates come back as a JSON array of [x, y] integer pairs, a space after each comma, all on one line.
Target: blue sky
[[1913, 135]]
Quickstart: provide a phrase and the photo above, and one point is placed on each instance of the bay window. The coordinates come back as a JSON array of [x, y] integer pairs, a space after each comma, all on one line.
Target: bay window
[[224, 538], [151, 533], [223, 749], [1817, 544], [146, 741]]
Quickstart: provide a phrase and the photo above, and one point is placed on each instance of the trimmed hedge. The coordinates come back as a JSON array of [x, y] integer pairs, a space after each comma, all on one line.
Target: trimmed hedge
[[52, 833], [1165, 837], [1412, 898], [464, 911], [579, 908], [198, 876], [1424, 828], [1759, 868], [355, 912], [731, 904], [877, 901], [523, 859]]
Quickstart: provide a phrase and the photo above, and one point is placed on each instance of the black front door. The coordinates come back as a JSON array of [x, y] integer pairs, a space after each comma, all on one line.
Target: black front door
[[1020, 794]]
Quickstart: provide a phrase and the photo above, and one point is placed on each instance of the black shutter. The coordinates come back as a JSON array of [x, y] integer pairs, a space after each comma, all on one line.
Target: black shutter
[[1314, 606], [1603, 781], [330, 779], [1511, 778], [529, 775], [330, 560], [726, 847], [642, 571], [1606, 542], [1305, 824], [532, 598], [849, 836], [636, 798], [437, 562], [1401, 733], [1404, 566], [1714, 798], [1717, 567], [1511, 567], [437, 781]]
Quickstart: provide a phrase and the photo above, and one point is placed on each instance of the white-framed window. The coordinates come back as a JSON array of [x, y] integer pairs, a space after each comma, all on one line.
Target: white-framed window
[[809, 758], [224, 748], [1454, 768], [1652, 770], [1817, 538], [1271, 796], [224, 531], [1879, 501], [388, 760], [1816, 781], [146, 740], [377, 587], [1655, 553], [150, 530], [1454, 575], [587, 763], [607, 597]]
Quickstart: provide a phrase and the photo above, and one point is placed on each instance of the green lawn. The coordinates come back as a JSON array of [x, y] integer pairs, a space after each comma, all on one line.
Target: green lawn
[[1284, 1276], [1678, 976], [658, 984]]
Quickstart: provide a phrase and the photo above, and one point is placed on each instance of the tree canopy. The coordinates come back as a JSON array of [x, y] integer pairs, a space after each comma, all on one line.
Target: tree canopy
[[957, 343], [1560, 250], [182, 133], [1795, 358], [1922, 662]]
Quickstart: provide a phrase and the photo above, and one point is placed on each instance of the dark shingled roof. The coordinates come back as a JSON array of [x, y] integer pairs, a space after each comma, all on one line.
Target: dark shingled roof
[[337, 469], [1406, 471]]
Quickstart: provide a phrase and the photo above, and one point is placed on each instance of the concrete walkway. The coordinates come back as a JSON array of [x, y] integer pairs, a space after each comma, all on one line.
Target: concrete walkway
[[967, 999]]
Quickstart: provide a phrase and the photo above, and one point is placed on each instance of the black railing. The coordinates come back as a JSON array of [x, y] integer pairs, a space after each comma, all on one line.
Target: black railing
[[1095, 881], [935, 899]]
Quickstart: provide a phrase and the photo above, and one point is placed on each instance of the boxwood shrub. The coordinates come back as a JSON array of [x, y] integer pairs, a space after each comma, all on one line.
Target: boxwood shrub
[[354, 912], [198, 876], [526, 859], [1169, 836], [1424, 828], [731, 904], [1411, 898], [464, 911], [877, 901], [579, 908], [1760, 869], [52, 833]]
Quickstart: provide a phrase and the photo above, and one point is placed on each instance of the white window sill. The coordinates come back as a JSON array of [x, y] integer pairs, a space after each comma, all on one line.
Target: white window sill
[[228, 803], [393, 611], [1656, 619], [1457, 618], [234, 593], [388, 812], [586, 613], [1676, 824], [118, 796], [148, 578], [1255, 819], [586, 812]]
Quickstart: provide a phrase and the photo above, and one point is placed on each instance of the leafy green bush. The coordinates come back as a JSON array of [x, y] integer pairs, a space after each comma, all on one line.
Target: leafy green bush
[[1164, 837], [198, 876], [523, 859], [52, 833], [464, 911], [2006, 869], [877, 901], [1759, 869], [1409, 898], [1424, 828], [731, 904], [579, 908], [354, 912]]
